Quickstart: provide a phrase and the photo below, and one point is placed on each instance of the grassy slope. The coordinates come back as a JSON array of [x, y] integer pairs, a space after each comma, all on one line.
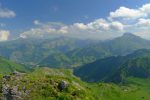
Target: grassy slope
[[116, 68], [136, 89], [7, 66], [43, 86]]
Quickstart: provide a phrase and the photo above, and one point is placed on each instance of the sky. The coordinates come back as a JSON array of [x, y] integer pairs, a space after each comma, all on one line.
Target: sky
[[85, 19]]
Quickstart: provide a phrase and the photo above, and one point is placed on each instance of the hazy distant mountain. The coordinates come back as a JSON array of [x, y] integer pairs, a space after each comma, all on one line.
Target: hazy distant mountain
[[119, 46], [116, 69], [57, 60], [32, 51], [69, 52], [126, 44], [46, 83]]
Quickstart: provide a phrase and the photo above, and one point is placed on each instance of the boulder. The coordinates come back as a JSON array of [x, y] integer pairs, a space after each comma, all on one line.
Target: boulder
[[62, 85], [7, 77]]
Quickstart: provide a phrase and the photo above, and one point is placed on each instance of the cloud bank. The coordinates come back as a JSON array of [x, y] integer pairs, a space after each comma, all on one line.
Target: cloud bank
[[4, 35], [119, 21], [6, 13]]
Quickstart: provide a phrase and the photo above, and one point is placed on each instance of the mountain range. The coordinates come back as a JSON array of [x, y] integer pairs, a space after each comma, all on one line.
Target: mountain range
[[69, 52], [117, 68], [28, 51], [79, 56]]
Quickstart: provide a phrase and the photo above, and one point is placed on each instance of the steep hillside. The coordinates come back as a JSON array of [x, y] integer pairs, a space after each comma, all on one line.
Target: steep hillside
[[123, 45], [56, 60], [60, 84], [117, 69], [88, 54], [46, 84], [29, 51], [73, 52], [138, 67], [126, 44], [7, 66]]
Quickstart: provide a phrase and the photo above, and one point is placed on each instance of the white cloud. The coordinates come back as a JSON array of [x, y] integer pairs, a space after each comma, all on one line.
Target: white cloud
[[36, 22], [127, 13], [80, 26], [121, 20], [45, 30], [130, 14], [145, 8], [6, 13], [4, 35], [63, 29], [37, 32], [117, 26], [144, 22], [99, 24], [93, 29]]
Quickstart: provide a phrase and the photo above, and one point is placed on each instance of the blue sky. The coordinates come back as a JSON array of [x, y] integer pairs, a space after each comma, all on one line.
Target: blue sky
[[27, 15]]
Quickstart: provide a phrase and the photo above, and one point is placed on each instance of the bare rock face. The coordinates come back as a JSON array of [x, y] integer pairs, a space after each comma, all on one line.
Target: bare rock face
[[62, 85], [7, 92], [7, 77], [12, 93]]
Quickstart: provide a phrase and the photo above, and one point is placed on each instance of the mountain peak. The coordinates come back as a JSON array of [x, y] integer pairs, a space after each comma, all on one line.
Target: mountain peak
[[128, 34]]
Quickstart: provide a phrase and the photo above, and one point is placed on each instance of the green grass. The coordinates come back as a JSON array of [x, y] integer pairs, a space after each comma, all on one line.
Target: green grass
[[43, 84], [135, 89], [7, 67]]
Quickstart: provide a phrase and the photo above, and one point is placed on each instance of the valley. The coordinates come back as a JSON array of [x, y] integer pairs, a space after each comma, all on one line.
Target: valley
[[69, 52], [91, 71], [74, 50]]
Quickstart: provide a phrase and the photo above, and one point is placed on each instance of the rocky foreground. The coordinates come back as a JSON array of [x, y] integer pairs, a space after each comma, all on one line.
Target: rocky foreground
[[41, 84], [61, 84]]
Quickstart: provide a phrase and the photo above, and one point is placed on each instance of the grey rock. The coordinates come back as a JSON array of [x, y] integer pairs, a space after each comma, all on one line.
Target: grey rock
[[7, 77], [62, 85]]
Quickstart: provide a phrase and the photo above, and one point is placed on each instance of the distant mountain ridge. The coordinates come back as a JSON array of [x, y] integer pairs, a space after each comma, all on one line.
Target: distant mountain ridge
[[69, 52], [124, 60], [29, 51], [117, 69], [118, 46]]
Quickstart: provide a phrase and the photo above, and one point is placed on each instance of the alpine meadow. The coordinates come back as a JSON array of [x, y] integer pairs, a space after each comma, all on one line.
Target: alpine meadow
[[75, 50]]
